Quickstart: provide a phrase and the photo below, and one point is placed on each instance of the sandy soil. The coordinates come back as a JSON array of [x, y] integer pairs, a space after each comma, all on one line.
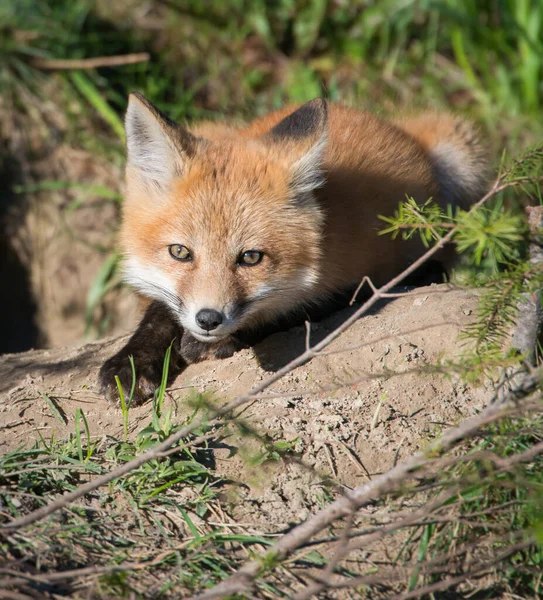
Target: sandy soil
[[350, 413]]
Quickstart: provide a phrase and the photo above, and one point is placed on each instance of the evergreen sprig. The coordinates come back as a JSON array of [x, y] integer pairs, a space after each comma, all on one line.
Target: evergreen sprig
[[528, 167], [494, 243], [497, 310], [491, 236], [428, 220]]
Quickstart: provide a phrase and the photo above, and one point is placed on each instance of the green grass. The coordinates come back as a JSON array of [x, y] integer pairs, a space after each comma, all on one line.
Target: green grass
[[485, 56], [496, 504], [148, 531], [161, 529], [147, 517]]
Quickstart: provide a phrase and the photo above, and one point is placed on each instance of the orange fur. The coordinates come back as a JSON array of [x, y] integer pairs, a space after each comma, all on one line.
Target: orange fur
[[231, 190]]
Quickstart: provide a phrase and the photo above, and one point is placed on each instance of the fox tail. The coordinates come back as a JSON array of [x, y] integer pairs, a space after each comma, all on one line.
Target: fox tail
[[459, 159]]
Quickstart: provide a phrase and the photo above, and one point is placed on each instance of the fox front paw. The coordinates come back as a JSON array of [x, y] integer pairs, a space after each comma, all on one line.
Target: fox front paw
[[192, 350], [148, 376]]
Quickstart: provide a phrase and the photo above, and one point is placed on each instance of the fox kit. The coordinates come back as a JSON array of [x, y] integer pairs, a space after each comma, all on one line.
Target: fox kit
[[229, 229]]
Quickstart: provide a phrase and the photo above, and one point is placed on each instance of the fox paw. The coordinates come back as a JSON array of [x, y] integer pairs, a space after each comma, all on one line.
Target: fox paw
[[192, 350], [148, 378]]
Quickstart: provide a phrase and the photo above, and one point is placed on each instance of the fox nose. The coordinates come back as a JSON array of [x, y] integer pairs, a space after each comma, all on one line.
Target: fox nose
[[209, 319]]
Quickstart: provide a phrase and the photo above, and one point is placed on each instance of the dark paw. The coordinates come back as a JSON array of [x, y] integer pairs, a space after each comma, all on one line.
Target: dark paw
[[192, 350], [227, 348], [147, 380]]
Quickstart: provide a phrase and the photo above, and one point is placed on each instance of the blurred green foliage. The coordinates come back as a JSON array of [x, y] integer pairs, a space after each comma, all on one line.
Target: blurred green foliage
[[246, 56]]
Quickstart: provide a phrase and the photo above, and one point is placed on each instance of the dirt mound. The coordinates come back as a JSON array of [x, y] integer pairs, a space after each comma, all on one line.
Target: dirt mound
[[350, 413]]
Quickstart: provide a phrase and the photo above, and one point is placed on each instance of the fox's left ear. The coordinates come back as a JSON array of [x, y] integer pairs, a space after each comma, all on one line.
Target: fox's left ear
[[158, 148], [301, 139]]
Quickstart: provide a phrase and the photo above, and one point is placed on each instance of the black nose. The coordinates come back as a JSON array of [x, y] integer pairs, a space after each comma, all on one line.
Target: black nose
[[209, 319]]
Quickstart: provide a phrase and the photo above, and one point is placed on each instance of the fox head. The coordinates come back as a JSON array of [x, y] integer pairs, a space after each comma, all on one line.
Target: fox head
[[225, 230]]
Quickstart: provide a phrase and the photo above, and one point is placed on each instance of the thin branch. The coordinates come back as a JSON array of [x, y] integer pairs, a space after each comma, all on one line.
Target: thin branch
[[307, 336], [12, 424], [425, 226], [435, 566], [478, 569], [367, 280], [377, 525], [53, 64], [341, 550]]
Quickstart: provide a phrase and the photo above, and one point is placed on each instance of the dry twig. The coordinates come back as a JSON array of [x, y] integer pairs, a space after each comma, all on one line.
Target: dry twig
[[63, 64]]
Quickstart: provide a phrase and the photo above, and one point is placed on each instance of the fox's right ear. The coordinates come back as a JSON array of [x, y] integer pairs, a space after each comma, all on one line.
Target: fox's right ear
[[158, 149]]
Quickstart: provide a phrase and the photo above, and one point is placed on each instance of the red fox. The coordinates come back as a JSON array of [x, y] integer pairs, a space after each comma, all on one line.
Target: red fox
[[230, 229]]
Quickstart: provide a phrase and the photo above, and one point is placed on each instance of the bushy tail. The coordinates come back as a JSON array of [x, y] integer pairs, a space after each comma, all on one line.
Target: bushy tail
[[458, 158]]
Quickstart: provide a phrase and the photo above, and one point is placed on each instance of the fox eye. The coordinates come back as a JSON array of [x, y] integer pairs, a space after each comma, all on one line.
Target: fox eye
[[180, 252], [250, 258]]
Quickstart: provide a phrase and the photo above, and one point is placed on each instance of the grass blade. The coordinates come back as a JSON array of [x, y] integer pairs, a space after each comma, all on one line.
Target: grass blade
[[54, 409], [78, 433], [100, 286], [164, 382], [124, 407], [87, 89]]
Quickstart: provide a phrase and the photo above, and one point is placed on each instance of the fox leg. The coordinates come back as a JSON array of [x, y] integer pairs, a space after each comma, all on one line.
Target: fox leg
[[156, 331]]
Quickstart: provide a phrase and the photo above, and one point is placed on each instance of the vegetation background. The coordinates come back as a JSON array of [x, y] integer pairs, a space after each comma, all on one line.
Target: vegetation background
[[61, 161]]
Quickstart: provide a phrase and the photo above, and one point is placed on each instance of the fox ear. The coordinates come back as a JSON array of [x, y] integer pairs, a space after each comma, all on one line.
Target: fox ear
[[302, 138], [158, 149]]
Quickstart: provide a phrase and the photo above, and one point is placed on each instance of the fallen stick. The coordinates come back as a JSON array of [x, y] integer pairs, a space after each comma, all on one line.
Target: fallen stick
[[61, 64]]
